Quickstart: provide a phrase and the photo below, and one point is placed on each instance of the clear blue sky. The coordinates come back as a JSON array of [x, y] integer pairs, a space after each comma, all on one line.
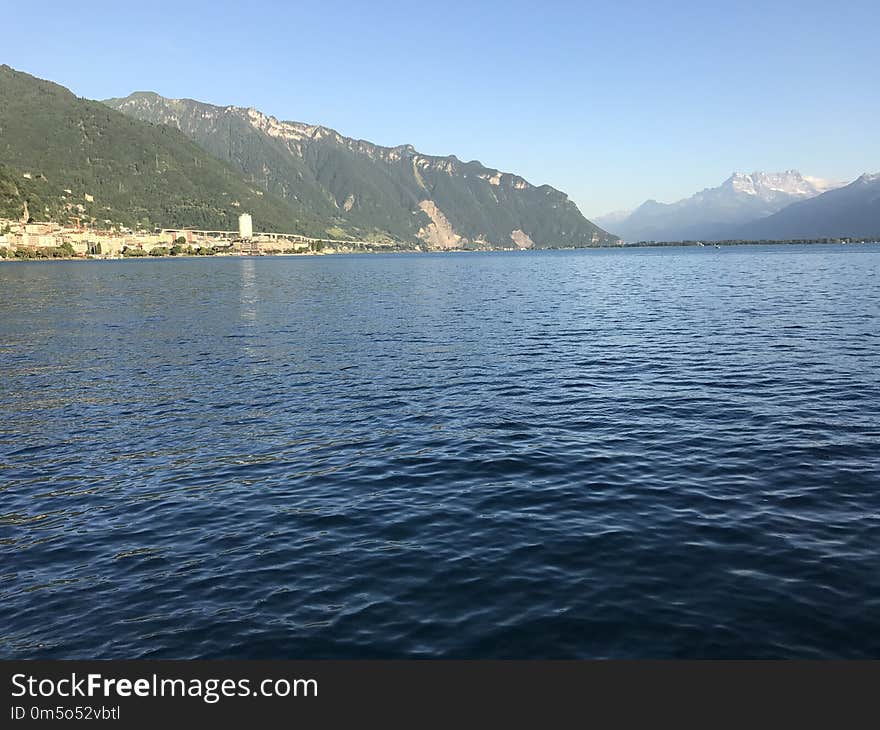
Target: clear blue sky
[[612, 102]]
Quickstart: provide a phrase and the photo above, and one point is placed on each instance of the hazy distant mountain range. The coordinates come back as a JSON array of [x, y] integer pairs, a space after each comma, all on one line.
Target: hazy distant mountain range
[[851, 210], [758, 206], [714, 213]]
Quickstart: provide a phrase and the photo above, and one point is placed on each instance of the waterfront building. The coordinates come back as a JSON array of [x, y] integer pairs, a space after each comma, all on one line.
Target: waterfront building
[[245, 226]]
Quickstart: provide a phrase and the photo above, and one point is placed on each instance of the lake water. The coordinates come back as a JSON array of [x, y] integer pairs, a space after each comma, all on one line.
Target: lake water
[[645, 453]]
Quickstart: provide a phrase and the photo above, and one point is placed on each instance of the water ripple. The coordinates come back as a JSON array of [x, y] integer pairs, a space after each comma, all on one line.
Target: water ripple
[[650, 453]]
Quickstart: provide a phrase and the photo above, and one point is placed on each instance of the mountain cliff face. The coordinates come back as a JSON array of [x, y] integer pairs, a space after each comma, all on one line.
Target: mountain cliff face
[[67, 156], [711, 213], [853, 210], [366, 191]]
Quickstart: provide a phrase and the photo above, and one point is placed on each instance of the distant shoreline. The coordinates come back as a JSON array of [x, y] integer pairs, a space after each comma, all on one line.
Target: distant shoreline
[[622, 247], [831, 241]]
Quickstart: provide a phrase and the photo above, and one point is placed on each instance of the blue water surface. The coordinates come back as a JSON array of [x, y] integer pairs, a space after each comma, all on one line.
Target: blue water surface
[[627, 453]]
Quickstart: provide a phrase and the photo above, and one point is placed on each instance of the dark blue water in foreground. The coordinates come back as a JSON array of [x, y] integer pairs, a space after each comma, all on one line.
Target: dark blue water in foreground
[[649, 453]]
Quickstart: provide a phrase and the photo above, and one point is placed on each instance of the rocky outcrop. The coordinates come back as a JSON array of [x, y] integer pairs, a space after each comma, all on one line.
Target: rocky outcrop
[[521, 239], [438, 233]]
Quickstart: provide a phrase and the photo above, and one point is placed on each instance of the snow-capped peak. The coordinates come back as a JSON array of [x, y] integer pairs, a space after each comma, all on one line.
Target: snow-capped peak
[[770, 185]]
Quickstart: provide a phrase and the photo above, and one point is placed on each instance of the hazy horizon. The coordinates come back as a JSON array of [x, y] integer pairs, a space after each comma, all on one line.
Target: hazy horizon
[[612, 106]]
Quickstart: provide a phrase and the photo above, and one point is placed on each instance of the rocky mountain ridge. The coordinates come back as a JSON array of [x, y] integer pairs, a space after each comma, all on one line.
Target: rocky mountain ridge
[[371, 192]]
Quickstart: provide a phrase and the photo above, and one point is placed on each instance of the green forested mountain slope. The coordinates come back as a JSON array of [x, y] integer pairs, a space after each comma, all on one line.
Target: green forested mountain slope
[[15, 190], [181, 163], [134, 172], [368, 191]]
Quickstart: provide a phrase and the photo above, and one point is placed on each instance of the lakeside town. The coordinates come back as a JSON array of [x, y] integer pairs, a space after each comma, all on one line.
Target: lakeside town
[[24, 239], [28, 240]]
